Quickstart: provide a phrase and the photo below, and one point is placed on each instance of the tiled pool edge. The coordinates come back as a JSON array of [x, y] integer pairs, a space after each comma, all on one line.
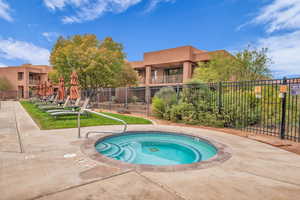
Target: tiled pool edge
[[224, 153]]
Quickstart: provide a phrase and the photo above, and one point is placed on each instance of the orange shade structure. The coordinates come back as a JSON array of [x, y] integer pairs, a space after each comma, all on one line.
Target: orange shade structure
[[49, 90], [46, 88], [40, 90], [74, 90], [61, 89], [43, 89]]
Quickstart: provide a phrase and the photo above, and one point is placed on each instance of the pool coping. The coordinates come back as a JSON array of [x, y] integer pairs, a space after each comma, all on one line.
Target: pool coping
[[223, 154]]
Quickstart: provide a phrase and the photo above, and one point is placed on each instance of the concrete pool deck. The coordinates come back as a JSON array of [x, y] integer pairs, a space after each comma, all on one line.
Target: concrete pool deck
[[54, 167]]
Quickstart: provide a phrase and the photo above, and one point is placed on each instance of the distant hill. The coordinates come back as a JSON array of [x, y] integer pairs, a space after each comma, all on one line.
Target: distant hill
[[293, 76]]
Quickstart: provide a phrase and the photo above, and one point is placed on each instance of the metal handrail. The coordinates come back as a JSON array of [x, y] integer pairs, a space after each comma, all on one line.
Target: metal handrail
[[100, 114]]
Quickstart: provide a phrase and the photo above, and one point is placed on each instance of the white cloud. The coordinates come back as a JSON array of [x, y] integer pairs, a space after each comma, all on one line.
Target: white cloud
[[60, 4], [5, 11], [2, 65], [154, 3], [279, 15], [28, 52], [284, 51], [50, 36], [87, 10], [281, 20]]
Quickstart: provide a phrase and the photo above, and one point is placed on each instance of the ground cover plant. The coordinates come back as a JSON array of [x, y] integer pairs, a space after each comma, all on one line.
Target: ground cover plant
[[46, 121]]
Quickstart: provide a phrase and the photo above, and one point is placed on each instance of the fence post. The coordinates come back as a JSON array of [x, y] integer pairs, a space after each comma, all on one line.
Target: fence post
[[126, 97], [98, 97], [110, 99], [283, 111], [148, 94], [177, 93], [220, 98], [78, 125]]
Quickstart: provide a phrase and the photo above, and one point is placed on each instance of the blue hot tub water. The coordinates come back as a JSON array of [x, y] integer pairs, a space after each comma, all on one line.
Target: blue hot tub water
[[156, 148]]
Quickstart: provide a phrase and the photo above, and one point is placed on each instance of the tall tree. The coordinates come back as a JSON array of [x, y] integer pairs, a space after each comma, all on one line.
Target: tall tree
[[128, 76], [253, 64], [97, 63], [249, 64], [5, 84], [54, 76], [221, 67]]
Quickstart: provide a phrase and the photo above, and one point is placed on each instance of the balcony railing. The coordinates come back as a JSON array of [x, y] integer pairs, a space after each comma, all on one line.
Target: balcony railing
[[141, 80], [167, 79], [34, 82]]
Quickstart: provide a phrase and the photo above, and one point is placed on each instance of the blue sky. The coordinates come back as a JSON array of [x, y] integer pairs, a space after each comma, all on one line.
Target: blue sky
[[29, 28]]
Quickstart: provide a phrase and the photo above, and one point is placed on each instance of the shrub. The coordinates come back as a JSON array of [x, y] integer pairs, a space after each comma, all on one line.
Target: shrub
[[187, 113], [237, 114], [114, 99], [198, 105], [163, 101], [195, 107], [167, 94], [158, 107], [182, 112], [193, 93], [134, 99]]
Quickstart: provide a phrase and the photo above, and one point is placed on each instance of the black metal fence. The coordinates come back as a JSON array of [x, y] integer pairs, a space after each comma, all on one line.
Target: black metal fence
[[270, 107], [9, 95]]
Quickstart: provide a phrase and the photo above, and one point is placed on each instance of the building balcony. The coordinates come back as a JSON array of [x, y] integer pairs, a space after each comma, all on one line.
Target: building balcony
[[167, 79], [34, 82], [141, 80]]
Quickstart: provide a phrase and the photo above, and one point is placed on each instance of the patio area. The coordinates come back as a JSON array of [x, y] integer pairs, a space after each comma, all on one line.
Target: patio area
[[53, 166]]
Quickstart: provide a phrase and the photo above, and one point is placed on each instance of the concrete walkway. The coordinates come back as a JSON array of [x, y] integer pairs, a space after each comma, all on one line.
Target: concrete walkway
[[53, 167]]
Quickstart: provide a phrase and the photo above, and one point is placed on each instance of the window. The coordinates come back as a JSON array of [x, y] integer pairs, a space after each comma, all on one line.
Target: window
[[20, 76], [173, 71], [173, 75], [154, 74]]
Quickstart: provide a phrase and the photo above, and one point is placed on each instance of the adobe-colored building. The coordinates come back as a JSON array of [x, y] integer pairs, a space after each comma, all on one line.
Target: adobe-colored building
[[170, 66], [25, 78], [164, 67]]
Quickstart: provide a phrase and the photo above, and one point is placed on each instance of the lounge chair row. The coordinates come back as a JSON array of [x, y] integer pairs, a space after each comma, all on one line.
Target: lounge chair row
[[56, 108]]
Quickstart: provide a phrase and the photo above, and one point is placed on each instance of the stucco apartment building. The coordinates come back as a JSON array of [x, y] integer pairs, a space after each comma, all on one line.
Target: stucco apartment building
[[171, 66], [164, 67], [25, 78]]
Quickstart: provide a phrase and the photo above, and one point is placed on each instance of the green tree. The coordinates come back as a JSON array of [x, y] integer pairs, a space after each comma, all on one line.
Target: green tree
[[221, 67], [249, 64], [53, 76], [97, 63], [5, 85], [128, 76], [253, 64]]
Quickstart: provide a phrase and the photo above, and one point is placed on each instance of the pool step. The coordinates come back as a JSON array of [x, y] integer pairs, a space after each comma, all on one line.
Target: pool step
[[102, 147], [111, 150], [128, 154]]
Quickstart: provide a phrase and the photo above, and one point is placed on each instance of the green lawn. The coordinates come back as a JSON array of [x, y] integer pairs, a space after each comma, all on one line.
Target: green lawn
[[46, 121]]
